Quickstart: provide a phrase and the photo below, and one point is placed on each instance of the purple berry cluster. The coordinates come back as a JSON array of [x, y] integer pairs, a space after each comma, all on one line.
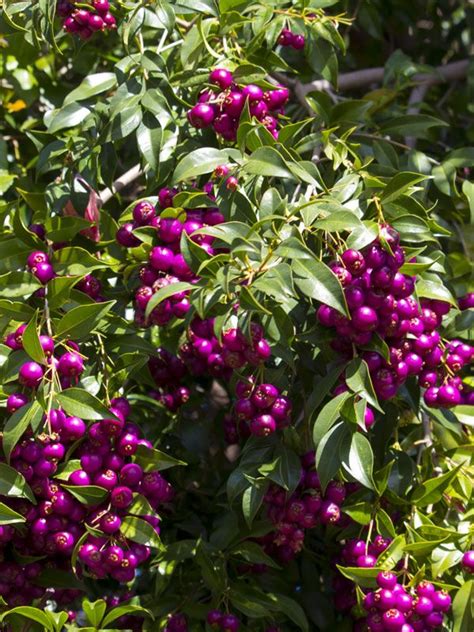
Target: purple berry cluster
[[381, 301], [393, 607], [357, 554], [288, 38], [260, 409], [66, 361], [107, 461], [106, 449], [204, 354], [306, 508], [18, 585], [176, 623], [166, 264], [221, 105], [219, 620], [84, 22], [168, 371], [39, 264]]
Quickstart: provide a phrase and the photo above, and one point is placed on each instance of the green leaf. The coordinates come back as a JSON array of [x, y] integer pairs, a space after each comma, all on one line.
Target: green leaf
[[18, 284], [35, 614], [399, 184], [341, 221], [392, 554], [411, 125], [328, 416], [165, 292], [364, 577], [87, 494], [92, 85], [292, 609], [139, 530], [284, 470], [30, 415], [200, 161], [31, 342], [359, 381], [328, 460], [73, 260], [358, 460], [360, 512], [15, 310], [316, 280], [126, 121], [252, 500], [7, 515], [384, 524], [59, 290], [434, 290], [463, 608], [64, 228], [80, 403], [149, 139], [130, 609], [94, 611], [153, 459], [431, 491], [267, 161], [253, 553], [69, 116], [80, 321]]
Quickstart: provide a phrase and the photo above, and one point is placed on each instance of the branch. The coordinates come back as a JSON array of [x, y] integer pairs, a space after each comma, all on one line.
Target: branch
[[359, 78], [414, 103], [121, 182]]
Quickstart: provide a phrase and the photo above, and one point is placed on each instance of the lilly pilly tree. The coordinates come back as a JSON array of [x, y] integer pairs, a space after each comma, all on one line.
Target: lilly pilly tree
[[236, 247]]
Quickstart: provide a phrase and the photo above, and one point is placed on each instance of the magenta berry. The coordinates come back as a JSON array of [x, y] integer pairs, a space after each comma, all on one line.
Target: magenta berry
[[201, 115], [229, 623], [143, 213], [262, 425], [221, 77], [30, 374]]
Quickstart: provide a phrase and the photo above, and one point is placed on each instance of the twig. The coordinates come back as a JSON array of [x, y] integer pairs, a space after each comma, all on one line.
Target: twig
[[414, 103], [359, 78], [124, 180]]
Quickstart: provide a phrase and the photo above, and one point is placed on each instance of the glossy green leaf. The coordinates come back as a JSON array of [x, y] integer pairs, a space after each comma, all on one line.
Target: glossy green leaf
[[80, 403], [315, 280], [80, 321]]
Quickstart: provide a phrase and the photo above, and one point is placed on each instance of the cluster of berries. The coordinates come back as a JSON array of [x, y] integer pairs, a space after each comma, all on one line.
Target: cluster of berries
[[222, 108], [260, 409], [204, 354], [220, 621], [356, 554], [381, 302], [168, 371], [393, 607], [55, 524], [306, 508], [65, 361], [176, 623], [84, 22], [106, 459], [288, 38], [40, 265], [166, 264], [18, 585]]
